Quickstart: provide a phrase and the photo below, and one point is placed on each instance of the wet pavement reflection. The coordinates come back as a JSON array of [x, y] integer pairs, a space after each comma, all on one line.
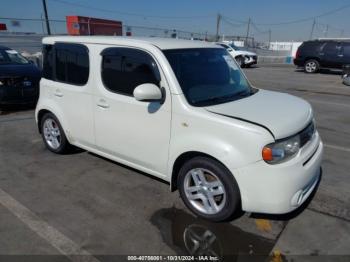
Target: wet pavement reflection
[[188, 235]]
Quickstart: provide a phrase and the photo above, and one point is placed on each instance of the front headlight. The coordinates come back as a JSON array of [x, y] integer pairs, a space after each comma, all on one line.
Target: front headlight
[[282, 150]]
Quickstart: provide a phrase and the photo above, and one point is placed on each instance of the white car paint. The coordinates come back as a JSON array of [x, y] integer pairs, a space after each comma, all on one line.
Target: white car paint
[[152, 137], [247, 55]]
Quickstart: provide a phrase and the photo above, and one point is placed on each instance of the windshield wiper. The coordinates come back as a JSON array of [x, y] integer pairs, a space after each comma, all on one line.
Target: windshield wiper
[[227, 98]]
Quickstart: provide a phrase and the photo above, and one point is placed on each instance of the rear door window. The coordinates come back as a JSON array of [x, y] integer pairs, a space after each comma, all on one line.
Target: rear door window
[[346, 51], [48, 60], [72, 63], [331, 49]]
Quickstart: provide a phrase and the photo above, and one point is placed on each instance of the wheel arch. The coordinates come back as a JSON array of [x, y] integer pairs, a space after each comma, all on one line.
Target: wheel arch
[[312, 58], [57, 113], [181, 159], [40, 116]]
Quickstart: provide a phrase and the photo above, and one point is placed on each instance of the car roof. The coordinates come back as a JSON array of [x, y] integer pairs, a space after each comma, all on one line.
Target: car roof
[[325, 40], [162, 43]]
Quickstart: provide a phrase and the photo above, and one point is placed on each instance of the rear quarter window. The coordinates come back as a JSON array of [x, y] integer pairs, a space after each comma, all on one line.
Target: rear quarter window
[[71, 63], [48, 60], [312, 46]]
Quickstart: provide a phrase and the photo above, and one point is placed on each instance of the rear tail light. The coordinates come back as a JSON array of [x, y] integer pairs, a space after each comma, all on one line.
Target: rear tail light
[[297, 54]]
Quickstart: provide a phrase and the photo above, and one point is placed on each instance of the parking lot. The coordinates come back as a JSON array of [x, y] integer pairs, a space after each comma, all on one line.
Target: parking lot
[[82, 204]]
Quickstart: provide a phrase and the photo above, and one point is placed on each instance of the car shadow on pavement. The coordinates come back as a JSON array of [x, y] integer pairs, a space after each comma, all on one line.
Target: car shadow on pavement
[[293, 214], [11, 109], [129, 168], [322, 72]]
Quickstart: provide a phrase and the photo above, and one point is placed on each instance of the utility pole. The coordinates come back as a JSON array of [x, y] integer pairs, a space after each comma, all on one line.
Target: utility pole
[[218, 20], [46, 18], [248, 28], [342, 33], [326, 32], [269, 37], [312, 29]]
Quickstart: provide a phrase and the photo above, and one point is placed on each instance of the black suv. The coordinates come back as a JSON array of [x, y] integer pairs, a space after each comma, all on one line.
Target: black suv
[[19, 78], [316, 54]]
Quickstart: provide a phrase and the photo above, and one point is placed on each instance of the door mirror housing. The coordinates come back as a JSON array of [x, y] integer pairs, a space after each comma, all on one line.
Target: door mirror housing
[[148, 93]]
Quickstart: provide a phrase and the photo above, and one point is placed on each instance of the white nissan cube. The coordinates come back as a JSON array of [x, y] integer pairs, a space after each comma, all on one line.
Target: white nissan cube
[[184, 112]]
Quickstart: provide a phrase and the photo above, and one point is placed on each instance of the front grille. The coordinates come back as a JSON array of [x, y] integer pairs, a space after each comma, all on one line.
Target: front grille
[[17, 81], [307, 133]]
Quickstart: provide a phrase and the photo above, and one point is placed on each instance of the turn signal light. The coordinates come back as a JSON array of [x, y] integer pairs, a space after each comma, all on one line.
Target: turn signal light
[[267, 154]]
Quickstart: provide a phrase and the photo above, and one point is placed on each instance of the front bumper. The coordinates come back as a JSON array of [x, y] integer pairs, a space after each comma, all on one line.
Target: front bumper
[[10, 95], [250, 60], [281, 188]]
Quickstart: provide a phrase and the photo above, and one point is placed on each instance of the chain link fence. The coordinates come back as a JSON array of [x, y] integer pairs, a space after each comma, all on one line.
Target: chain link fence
[[25, 35]]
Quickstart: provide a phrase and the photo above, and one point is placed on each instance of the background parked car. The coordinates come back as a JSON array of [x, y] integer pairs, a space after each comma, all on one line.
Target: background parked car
[[346, 75], [317, 54], [244, 58], [19, 79]]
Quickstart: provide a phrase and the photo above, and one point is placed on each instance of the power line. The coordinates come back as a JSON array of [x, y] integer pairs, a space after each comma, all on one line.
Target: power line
[[229, 19], [258, 30], [309, 18], [292, 21], [130, 14], [232, 24]]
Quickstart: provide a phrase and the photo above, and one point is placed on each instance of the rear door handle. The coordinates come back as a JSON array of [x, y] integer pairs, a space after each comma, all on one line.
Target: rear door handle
[[58, 93], [103, 104]]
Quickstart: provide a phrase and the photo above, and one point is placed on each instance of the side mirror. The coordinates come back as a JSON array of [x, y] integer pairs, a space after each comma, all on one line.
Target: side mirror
[[148, 93]]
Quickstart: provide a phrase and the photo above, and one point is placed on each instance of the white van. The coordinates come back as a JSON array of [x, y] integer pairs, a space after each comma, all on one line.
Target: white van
[[182, 111]]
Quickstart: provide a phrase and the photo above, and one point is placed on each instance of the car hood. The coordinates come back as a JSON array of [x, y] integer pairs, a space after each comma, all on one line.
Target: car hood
[[281, 114], [243, 52], [20, 70]]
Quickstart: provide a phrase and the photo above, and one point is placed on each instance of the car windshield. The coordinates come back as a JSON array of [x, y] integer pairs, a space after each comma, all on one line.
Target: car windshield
[[8, 56], [234, 47], [208, 76]]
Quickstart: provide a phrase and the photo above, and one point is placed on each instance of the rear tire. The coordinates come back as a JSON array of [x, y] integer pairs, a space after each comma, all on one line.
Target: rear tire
[[53, 134], [209, 189], [311, 66]]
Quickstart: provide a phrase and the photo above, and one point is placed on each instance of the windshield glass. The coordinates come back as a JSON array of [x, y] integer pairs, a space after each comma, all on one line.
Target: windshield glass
[[8, 56], [234, 47], [208, 76]]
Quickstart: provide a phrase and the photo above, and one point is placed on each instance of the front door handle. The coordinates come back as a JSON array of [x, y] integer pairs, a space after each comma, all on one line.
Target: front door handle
[[103, 104], [58, 93]]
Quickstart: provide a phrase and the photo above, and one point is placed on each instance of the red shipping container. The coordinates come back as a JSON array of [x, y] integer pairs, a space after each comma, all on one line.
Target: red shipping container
[[3, 27], [81, 25]]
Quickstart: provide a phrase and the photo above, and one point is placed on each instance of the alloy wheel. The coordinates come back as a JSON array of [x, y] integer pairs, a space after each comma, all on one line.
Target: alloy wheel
[[52, 133], [311, 67], [205, 191]]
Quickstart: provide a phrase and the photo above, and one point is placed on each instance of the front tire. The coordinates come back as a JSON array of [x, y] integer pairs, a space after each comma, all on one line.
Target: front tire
[[208, 189], [240, 61], [53, 134], [311, 66]]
